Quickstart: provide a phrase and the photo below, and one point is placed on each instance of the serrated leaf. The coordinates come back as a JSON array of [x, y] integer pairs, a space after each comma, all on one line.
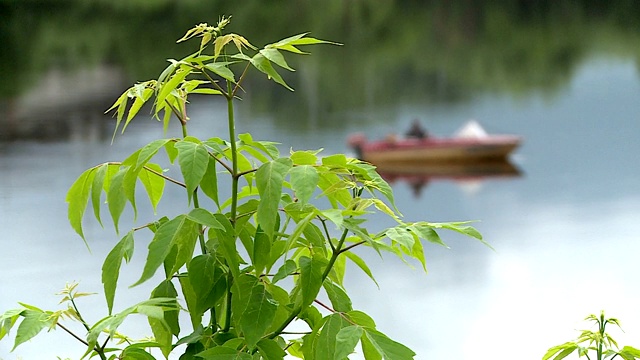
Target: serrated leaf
[[116, 196], [224, 353], [275, 57], [78, 198], [205, 277], [270, 350], [361, 264], [304, 180], [221, 69], [338, 297], [253, 308], [111, 266], [346, 341], [163, 329], [261, 250], [205, 217], [264, 65], [165, 89], [193, 159], [34, 321], [288, 268], [310, 280], [389, 349], [139, 101], [96, 190], [153, 184], [304, 157], [269, 180], [402, 236], [179, 231], [325, 347], [149, 151], [424, 231]]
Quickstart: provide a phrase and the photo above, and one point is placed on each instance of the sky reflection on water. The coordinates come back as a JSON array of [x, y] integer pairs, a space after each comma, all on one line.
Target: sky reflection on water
[[565, 233]]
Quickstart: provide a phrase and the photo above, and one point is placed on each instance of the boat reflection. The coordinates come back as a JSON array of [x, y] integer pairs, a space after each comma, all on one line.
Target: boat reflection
[[418, 175]]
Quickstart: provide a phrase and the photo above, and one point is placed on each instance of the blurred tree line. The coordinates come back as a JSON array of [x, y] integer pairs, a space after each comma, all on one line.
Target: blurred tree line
[[435, 50]]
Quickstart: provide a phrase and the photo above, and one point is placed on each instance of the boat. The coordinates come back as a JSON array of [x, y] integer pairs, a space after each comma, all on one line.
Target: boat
[[468, 145]]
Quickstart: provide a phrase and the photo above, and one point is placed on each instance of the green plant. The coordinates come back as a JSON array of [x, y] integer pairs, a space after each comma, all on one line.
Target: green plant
[[598, 341], [245, 267]]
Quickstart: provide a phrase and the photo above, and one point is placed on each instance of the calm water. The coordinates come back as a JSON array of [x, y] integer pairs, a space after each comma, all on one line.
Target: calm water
[[564, 232]]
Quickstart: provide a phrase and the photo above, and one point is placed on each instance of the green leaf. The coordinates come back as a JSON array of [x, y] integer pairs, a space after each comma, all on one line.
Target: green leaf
[[325, 347], [179, 231], [346, 341], [78, 198], [402, 236], [137, 105], [164, 329], [270, 350], [204, 277], [204, 217], [193, 159], [304, 157], [289, 267], [135, 353], [304, 180], [362, 265], [165, 89], [261, 250], [34, 321], [560, 351], [8, 320], [389, 349], [253, 308], [96, 190], [221, 69], [227, 241], [116, 196], [261, 63], [153, 184], [111, 266], [269, 179], [338, 297], [310, 280], [149, 151], [224, 353], [424, 231], [275, 57], [300, 227], [209, 182]]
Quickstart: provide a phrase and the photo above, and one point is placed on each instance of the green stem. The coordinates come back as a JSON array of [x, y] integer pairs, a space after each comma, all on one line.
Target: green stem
[[296, 311], [234, 158], [227, 320], [196, 204], [96, 348]]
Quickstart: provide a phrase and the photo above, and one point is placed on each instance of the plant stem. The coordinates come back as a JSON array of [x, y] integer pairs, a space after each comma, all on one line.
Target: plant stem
[[296, 311], [234, 158], [196, 205], [96, 348]]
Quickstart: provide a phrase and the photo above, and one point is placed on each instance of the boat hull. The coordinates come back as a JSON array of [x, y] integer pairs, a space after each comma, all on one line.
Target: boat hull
[[438, 150]]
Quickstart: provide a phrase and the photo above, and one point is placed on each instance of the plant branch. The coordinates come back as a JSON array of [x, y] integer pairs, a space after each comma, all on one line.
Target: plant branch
[[242, 173], [326, 232], [95, 348], [352, 246], [165, 177], [235, 88], [224, 165]]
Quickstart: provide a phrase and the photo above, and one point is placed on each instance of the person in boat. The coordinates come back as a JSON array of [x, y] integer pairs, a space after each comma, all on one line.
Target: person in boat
[[416, 131]]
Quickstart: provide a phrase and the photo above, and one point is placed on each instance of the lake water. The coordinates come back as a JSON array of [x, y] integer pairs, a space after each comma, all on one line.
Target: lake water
[[565, 232]]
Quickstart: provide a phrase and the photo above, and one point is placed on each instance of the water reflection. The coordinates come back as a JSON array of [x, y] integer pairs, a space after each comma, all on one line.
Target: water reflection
[[467, 175], [565, 234]]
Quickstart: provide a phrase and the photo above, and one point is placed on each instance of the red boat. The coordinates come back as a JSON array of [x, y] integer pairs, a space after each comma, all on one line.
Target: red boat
[[471, 144]]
